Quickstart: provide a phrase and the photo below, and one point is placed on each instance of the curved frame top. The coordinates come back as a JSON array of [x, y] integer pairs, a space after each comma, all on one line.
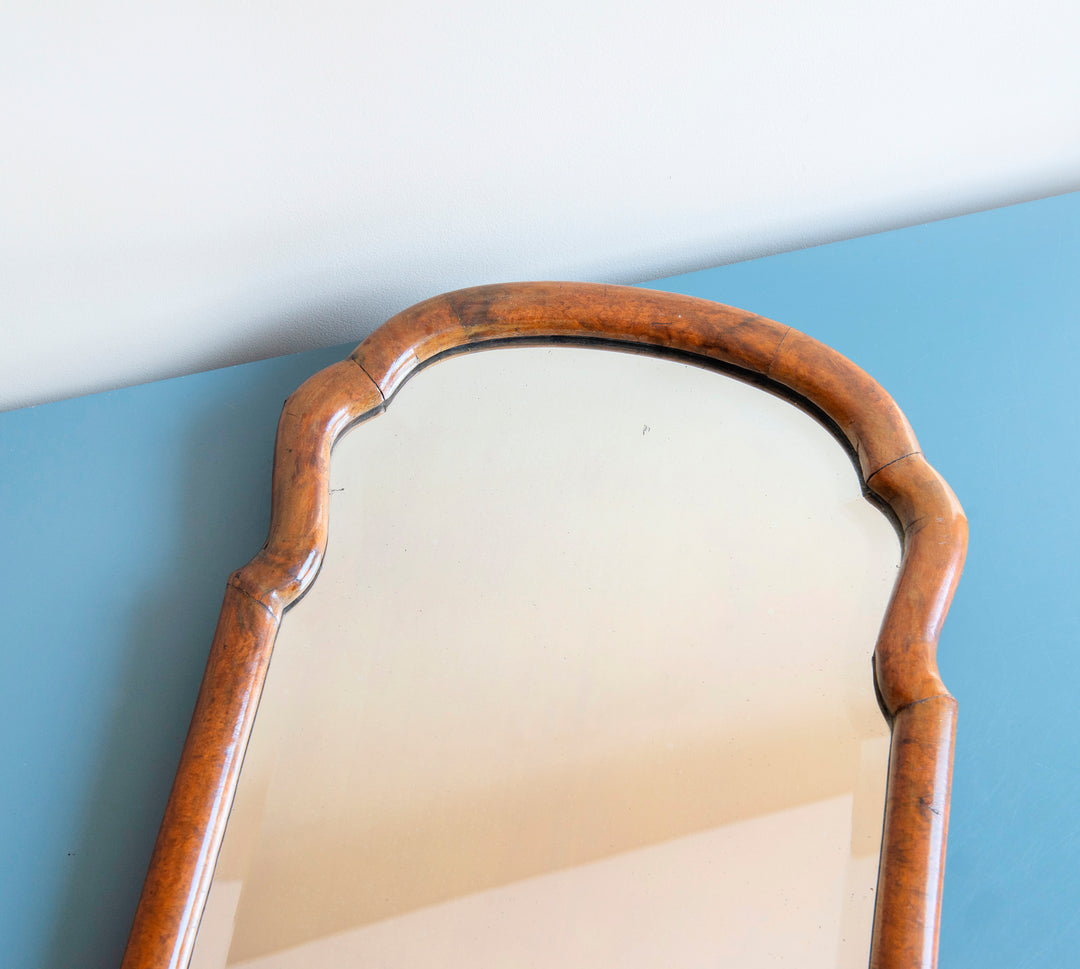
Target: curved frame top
[[893, 468]]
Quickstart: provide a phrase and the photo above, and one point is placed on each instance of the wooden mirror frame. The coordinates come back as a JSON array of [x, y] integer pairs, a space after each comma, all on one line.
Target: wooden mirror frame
[[921, 711]]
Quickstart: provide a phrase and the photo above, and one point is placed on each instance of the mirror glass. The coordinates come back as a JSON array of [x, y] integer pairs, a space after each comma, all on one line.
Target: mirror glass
[[585, 680]]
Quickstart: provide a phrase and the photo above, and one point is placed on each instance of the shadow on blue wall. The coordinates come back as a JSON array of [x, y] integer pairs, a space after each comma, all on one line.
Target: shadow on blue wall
[[128, 514]]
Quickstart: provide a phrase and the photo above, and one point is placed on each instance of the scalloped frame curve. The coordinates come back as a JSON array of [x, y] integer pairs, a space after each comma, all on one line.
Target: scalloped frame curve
[[934, 533]]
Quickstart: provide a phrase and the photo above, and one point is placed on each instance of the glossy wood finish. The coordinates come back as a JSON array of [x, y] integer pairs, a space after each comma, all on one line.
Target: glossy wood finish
[[892, 467]]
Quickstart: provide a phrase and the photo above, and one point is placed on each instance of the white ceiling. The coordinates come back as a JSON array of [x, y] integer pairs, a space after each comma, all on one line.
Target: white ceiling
[[192, 186]]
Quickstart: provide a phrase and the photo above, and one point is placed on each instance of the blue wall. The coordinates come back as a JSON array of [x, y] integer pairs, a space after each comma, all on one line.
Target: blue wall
[[122, 513]]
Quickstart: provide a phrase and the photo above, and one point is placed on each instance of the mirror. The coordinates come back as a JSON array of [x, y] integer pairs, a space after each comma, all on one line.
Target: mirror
[[588, 624], [586, 674]]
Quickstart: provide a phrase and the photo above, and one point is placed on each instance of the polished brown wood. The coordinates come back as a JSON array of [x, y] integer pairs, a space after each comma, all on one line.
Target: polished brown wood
[[892, 468]]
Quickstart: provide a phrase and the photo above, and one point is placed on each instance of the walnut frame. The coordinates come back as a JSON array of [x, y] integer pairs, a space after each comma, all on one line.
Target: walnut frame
[[893, 469]]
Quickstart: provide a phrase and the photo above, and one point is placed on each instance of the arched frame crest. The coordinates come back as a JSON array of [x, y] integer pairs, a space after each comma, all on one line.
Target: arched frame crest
[[934, 529]]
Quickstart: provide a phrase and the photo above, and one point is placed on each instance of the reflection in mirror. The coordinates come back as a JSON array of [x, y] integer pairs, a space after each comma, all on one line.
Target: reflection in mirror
[[585, 679]]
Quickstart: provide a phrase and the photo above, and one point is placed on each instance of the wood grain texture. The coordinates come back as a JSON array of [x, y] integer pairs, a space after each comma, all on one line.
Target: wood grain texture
[[173, 896], [912, 864], [892, 467]]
